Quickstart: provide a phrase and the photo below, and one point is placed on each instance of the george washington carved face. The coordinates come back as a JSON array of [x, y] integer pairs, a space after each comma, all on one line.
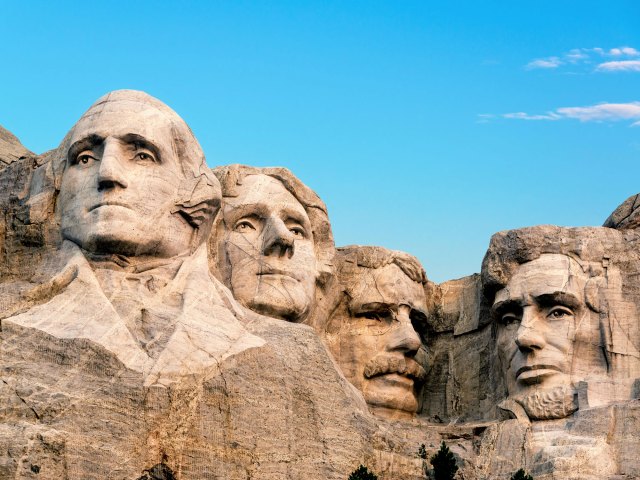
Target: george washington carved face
[[123, 179]]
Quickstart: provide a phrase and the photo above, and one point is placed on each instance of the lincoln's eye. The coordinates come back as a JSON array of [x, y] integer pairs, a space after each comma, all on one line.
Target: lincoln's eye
[[509, 318], [559, 312]]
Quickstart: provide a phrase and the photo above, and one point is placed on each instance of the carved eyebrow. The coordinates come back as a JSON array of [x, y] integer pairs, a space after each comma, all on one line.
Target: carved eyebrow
[[86, 143], [141, 142], [558, 298], [500, 308]]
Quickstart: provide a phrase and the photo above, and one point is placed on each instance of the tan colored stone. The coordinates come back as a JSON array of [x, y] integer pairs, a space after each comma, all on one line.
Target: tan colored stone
[[272, 245]]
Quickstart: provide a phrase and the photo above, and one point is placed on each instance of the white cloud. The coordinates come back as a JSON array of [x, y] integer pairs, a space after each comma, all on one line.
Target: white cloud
[[602, 112], [551, 62], [526, 116], [620, 66], [624, 59]]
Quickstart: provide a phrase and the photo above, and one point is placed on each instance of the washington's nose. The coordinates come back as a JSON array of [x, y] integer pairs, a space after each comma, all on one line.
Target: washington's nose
[[403, 337], [528, 336], [278, 240], [112, 171]]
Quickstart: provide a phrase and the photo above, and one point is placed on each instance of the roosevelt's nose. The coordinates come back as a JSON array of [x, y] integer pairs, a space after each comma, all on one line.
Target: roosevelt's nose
[[529, 337], [112, 171], [403, 337], [277, 240]]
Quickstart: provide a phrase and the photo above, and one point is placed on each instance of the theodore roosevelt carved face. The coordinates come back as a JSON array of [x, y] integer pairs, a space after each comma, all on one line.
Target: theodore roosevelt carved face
[[375, 335]]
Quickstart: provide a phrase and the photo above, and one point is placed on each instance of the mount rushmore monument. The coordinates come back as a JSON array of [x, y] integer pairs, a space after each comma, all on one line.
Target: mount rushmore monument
[[163, 319]]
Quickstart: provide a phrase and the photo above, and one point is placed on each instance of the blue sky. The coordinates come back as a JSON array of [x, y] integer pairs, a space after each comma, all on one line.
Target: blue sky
[[424, 126]]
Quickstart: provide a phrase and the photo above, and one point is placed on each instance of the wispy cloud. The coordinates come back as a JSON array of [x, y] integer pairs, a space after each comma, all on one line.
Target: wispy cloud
[[550, 62], [620, 66], [602, 112], [619, 59]]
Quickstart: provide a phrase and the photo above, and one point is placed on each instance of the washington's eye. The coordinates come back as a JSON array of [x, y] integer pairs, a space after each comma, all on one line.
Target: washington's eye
[[559, 312], [145, 157], [297, 231], [84, 159]]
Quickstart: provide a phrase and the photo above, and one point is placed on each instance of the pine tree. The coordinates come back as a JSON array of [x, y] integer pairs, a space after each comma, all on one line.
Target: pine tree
[[444, 464], [521, 475], [362, 473]]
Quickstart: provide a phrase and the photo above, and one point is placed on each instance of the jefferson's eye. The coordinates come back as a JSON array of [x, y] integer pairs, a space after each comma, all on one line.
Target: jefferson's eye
[[243, 226], [559, 312]]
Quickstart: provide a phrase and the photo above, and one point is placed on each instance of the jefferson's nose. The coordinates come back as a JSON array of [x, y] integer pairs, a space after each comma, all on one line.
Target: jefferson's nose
[[277, 240], [529, 337], [403, 337], [112, 171]]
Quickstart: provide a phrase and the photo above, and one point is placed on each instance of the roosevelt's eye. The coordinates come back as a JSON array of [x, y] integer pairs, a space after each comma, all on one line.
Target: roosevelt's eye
[[559, 312]]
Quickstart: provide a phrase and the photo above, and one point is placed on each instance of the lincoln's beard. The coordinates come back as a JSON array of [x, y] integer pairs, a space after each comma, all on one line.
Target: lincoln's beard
[[549, 403]]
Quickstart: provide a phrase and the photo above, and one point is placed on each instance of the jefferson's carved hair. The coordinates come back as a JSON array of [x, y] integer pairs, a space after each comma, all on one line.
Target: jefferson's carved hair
[[231, 176]]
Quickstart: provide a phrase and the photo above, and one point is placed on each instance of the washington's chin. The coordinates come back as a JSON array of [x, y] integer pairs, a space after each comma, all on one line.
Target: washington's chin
[[391, 391], [111, 237]]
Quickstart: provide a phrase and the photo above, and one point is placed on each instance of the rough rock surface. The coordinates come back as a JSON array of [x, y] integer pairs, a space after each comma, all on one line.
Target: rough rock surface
[[131, 347]]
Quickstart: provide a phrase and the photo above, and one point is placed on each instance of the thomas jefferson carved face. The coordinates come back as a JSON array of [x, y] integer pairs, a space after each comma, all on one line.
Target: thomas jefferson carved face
[[269, 248], [548, 338], [121, 182], [376, 338]]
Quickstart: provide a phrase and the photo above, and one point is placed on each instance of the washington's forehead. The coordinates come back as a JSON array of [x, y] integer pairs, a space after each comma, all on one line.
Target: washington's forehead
[[120, 118]]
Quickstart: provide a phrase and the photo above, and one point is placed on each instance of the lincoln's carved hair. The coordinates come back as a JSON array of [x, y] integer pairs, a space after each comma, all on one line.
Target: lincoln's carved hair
[[199, 197], [602, 255], [231, 176]]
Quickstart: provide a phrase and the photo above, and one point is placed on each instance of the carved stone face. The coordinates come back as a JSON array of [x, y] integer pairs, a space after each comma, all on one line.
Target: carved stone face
[[121, 183], [270, 250], [548, 337], [377, 338]]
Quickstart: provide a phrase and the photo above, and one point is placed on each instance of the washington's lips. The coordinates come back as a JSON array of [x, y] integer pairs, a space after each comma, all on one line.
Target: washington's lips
[[535, 370], [109, 203], [385, 364]]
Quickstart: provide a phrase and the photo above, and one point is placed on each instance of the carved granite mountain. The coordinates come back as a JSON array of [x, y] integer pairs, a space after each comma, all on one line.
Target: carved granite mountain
[[159, 319]]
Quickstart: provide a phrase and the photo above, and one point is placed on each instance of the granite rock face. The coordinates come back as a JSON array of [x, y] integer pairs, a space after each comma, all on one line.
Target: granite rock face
[[159, 319]]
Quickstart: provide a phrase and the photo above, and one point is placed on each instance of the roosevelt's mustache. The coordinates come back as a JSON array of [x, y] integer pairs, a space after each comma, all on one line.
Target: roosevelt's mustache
[[383, 364]]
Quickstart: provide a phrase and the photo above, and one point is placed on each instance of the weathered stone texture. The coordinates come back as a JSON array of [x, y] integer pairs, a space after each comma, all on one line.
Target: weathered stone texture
[[159, 319]]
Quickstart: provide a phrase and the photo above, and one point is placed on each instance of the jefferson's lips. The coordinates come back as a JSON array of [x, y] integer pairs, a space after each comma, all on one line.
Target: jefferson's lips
[[267, 270], [111, 204], [529, 368]]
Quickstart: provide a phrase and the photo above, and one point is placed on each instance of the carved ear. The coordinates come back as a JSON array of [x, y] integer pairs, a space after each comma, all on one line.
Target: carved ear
[[593, 294], [199, 200]]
